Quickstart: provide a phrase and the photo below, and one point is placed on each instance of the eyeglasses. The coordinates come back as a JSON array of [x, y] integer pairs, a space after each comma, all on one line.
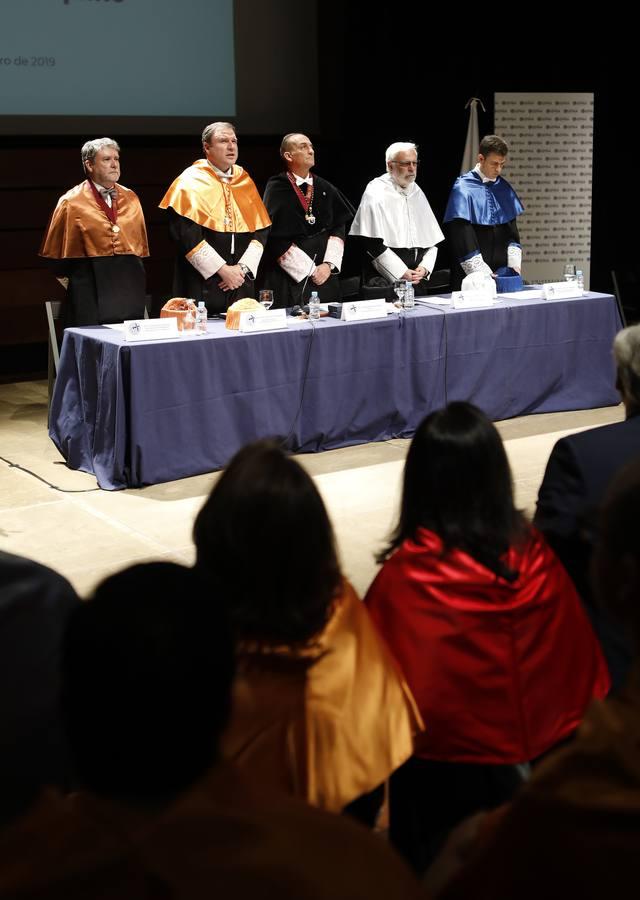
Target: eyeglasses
[[405, 165]]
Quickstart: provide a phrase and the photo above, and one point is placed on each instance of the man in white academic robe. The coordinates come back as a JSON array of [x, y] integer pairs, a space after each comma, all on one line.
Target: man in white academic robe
[[395, 224]]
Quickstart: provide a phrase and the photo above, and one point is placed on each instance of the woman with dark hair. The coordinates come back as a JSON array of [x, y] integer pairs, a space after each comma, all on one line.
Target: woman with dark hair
[[320, 709], [486, 626]]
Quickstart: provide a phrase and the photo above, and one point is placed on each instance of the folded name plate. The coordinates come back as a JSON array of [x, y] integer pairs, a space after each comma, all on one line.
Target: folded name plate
[[561, 290], [254, 320], [472, 299], [151, 329], [364, 309]]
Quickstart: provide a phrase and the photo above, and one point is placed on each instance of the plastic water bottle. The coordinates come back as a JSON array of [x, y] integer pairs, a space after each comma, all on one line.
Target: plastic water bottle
[[314, 306], [201, 318], [580, 280], [409, 295]]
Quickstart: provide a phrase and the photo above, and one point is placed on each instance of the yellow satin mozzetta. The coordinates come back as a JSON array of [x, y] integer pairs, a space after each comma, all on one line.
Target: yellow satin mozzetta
[[327, 723], [200, 195], [80, 228]]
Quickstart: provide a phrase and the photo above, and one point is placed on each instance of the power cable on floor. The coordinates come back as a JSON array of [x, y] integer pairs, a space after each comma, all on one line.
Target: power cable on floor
[[54, 487]]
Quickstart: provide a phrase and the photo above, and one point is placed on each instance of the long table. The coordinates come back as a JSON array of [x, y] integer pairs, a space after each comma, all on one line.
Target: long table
[[143, 413]]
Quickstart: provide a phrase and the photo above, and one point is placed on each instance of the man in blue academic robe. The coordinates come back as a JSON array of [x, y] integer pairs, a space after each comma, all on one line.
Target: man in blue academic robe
[[481, 216]]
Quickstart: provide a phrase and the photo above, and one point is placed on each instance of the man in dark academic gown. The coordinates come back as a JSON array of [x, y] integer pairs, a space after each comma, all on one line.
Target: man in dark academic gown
[[306, 241], [481, 215], [395, 225], [96, 239], [218, 221]]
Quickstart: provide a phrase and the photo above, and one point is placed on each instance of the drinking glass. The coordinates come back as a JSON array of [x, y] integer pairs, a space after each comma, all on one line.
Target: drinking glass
[[399, 288], [266, 298], [570, 272]]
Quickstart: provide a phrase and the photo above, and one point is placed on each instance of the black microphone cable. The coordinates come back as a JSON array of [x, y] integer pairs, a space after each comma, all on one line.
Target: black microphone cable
[[444, 338], [307, 360], [54, 487]]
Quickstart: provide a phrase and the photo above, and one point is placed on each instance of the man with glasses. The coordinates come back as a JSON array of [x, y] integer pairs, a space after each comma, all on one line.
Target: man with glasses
[[395, 225], [481, 215]]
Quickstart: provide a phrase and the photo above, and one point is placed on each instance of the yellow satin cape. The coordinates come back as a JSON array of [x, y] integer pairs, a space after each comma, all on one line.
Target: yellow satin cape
[[198, 194], [328, 722], [80, 228]]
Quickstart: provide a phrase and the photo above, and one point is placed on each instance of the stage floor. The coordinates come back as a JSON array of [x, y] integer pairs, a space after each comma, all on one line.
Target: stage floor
[[86, 533]]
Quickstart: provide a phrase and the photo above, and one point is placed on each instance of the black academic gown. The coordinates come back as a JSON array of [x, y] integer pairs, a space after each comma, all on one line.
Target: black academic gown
[[372, 248], [332, 212], [102, 289], [491, 240], [188, 282]]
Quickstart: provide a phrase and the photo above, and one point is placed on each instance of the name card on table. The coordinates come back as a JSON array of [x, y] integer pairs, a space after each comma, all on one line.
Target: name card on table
[[561, 290], [254, 320], [364, 309], [472, 299], [151, 329]]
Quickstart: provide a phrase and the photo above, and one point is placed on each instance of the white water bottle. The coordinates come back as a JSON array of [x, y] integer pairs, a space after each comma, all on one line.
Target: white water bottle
[[201, 318], [580, 280], [314, 306]]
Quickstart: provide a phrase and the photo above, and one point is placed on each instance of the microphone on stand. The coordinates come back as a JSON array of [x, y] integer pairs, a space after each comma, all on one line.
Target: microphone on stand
[[298, 310]]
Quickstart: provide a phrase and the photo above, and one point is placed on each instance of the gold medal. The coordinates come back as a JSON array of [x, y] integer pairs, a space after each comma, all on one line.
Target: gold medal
[[115, 228]]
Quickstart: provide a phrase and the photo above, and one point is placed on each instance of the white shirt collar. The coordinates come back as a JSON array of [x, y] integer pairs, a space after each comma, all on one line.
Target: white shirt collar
[[219, 172], [104, 192], [307, 180], [484, 177]]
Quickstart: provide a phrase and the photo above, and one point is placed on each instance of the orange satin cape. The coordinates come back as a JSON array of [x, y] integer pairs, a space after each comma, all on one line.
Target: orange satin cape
[[328, 722], [80, 228], [200, 195]]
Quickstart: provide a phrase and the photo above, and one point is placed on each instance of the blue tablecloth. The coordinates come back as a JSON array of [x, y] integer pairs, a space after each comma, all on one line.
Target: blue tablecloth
[[143, 413]]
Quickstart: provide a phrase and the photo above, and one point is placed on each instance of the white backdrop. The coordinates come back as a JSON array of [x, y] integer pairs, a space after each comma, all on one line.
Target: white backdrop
[[550, 139]]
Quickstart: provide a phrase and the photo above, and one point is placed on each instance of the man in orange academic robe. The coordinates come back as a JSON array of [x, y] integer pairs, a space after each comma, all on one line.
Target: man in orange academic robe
[[218, 221], [96, 239]]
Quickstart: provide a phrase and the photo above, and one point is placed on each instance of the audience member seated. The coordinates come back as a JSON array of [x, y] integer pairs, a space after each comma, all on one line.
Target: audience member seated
[[574, 831], [34, 604], [577, 475], [486, 626], [146, 681], [320, 709]]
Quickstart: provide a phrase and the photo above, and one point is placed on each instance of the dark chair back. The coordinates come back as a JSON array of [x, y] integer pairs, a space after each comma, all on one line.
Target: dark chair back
[[439, 283], [626, 287]]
